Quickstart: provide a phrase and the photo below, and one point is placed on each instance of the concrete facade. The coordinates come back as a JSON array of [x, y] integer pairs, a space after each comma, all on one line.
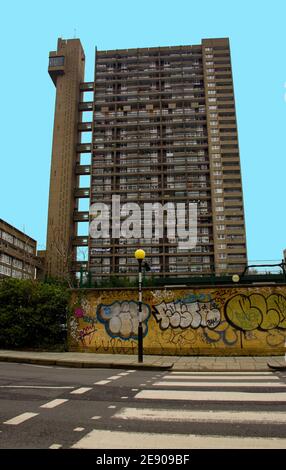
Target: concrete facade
[[18, 253], [66, 68], [162, 128]]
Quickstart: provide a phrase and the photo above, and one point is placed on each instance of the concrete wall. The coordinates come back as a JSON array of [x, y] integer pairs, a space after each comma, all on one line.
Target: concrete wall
[[233, 320]]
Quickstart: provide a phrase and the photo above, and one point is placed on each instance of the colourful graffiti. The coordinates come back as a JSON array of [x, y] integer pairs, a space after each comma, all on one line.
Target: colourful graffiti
[[184, 314], [182, 321], [121, 319], [82, 314], [223, 332], [255, 311]]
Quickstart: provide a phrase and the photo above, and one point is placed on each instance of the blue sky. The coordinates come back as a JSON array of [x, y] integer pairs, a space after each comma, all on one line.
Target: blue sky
[[29, 30]]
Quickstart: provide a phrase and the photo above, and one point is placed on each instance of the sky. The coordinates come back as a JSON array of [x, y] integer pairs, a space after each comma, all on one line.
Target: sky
[[257, 33]]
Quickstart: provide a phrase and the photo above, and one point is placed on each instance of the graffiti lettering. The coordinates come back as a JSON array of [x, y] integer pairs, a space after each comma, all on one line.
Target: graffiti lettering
[[223, 333], [186, 314], [255, 311], [121, 319]]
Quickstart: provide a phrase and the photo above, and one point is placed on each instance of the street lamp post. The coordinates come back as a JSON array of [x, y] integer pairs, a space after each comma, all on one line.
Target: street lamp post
[[140, 255]]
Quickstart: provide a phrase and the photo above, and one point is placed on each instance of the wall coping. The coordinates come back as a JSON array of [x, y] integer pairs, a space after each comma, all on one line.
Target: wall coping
[[178, 287]]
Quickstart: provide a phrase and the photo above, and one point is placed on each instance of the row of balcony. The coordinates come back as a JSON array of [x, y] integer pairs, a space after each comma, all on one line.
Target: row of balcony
[[222, 74]]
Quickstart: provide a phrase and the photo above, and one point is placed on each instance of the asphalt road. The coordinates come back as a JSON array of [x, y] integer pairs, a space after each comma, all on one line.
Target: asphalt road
[[51, 407]]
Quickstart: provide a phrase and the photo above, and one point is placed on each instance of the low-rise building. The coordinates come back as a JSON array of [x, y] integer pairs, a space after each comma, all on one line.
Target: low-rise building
[[18, 253]]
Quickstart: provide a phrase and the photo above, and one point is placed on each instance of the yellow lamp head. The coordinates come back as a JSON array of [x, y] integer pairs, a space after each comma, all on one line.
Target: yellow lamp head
[[235, 278], [139, 254]]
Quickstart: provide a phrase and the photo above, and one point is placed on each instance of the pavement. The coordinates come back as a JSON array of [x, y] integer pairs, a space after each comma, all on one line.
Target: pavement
[[150, 362]]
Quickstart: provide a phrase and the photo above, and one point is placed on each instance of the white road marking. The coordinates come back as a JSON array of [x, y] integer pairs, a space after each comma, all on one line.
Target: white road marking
[[102, 382], [96, 417], [211, 396], [219, 377], [55, 446], [54, 403], [79, 429], [153, 414], [112, 406], [21, 418], [219, 384], [124, 398], [124, 373], [33, 386], [224, 373], [114, 377], [37, 365], [135, 389], [80, 391], [142, 385], [132, 370], [98, 439]]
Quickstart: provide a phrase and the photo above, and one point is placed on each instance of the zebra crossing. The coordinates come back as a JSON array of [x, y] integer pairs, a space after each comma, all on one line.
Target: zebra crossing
[[189, 410]]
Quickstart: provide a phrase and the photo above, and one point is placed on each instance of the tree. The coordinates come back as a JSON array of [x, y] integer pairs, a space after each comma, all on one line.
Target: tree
[[32, 314]]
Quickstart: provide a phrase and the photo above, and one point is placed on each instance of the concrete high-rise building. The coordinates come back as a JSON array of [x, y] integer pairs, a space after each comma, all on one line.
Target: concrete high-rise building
[[160, 126]]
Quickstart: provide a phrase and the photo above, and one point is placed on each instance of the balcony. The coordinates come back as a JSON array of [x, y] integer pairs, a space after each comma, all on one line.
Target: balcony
[[81, 193], [87, 86], [82, 170], [84, 126], [81, 216], [77, 265], [83, 148], [85, 106], [80, 241]]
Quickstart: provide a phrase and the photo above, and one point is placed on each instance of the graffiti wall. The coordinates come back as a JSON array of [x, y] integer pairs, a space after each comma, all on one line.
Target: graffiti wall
[[216, 321]]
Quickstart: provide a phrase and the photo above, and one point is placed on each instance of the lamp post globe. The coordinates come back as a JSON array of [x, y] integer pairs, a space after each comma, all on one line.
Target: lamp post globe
[[235, 278], [140, 255]]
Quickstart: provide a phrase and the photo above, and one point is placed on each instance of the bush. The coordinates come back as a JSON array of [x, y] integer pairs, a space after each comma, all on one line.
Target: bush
[[32, 314]]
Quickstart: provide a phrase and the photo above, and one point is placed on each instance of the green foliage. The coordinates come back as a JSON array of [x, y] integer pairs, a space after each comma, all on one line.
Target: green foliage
[[32, 314]]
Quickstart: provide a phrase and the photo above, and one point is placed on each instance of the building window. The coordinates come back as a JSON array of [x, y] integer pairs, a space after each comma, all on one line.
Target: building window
[[56, 61], [5, 258], [7, 237], [17, 263], [5, 270]]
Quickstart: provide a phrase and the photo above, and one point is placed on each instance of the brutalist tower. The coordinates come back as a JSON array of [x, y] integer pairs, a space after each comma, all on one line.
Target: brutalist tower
[[156, 125]]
